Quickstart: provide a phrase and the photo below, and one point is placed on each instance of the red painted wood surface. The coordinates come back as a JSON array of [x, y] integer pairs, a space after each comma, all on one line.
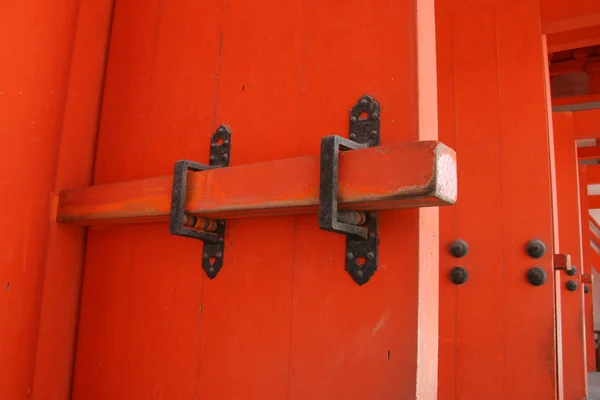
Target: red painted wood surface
[[569, 216], [497, 332], [66, 244], [282, 319], [564, 15], [587, 268], [586, 124], [401, 175], [36, 43]]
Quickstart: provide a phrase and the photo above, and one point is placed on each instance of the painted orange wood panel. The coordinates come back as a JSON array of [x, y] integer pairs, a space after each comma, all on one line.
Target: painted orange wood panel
[[33, 83], [473, 310], [361, 343], [282, 319], [66, 244], [572, 309], [139, 332], [501, 338], [587, 268]]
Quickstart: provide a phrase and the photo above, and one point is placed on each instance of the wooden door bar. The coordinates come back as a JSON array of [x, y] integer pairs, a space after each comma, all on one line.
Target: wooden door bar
[[401, 175]]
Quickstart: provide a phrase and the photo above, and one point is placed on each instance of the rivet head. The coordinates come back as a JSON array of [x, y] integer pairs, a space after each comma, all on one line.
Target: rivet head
[[225, 156], [221, 129], [373, 133], [536, 276], [352, 120], [359, 274], [220, 240], [459, 275], [586, 289], [212, 158], [572, 272], [571, 286], [211, 270], [219, 255], [226, 141], [205, 256], [459, 248], [374, 115], [371, 236], [213, 145], [353, 136], [535, 248], [370, 256], [349, 256], [363, 101]]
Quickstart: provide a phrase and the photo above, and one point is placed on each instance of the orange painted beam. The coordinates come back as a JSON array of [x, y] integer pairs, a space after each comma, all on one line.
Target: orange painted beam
[[400, 175], [582, 99], [588, 153], [593, 202], [569, 224], [587, 124], [574, 39], [565, 15]]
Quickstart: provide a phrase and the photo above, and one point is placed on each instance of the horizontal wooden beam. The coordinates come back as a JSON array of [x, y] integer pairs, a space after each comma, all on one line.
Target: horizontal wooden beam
[[568, 15], [593, 174], [570, 100], [574, 39], [586, 124], [594, 201], [401, 175], [588, 153]]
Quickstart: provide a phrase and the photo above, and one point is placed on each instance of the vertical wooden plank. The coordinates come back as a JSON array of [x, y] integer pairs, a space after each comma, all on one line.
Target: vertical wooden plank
[[590, 347], [529, 317], [139, 334], [447, 371], [376, 341], [572, 313], [502, 331], [246, 309], [476, 306], [66, 244], [36, 42]]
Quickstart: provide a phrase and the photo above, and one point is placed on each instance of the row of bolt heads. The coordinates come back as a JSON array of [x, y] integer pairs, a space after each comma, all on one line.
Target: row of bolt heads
[[536, 275]]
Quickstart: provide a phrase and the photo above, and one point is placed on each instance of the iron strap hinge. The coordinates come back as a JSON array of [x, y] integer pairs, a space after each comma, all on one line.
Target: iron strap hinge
[[211, 232], [361, 228]]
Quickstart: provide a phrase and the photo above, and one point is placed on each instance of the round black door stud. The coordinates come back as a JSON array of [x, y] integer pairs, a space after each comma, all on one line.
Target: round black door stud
[[459, 275], [535, 248], [536, 276], [459, 248], [573, 271], [571, 286], [586, 289]]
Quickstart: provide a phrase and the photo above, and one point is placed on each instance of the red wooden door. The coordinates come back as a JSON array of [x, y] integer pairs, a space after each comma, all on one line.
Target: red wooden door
[[282, 319]]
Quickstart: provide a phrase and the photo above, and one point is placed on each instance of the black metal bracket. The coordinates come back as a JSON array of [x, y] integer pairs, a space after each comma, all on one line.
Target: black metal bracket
[[214, 241], [361, 229]]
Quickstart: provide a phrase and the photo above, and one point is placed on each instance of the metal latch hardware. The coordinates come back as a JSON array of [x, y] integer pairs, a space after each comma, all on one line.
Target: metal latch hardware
[[210, 231], [361, 228]]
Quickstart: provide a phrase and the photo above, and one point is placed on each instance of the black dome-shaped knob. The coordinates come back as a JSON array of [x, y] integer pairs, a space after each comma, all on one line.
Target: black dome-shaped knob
[[536, 276]]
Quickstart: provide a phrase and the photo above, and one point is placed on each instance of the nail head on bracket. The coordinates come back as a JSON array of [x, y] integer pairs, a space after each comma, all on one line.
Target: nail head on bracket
[[535, 248], [536, 276], [459, 248], [459, 275], [572, 271], [571, 286], [349, 256]]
